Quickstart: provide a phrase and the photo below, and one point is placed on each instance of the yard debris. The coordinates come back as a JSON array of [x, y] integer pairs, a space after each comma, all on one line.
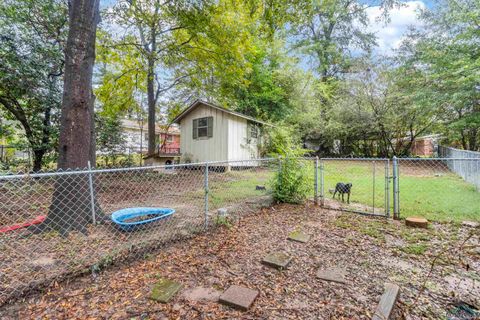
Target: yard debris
[[471, 224], [230, 256], [239, 297]]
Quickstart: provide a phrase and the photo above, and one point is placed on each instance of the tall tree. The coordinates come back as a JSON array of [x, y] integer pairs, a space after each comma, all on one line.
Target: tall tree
[[440, 67], [149, 27], [70, 208], [32, 38], [328, 32]]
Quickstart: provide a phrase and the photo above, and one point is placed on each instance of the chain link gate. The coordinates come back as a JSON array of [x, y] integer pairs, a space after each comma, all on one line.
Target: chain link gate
[[370, 180]]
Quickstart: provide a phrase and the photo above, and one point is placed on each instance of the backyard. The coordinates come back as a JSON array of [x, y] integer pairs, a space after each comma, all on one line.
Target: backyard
[[291, 159], [371, 250]]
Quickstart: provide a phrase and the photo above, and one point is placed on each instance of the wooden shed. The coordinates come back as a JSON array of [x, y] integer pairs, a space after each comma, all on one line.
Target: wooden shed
[[209, 132]]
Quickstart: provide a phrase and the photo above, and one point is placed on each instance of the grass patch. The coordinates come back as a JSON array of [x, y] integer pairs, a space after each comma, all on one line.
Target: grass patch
[[417, 249], [441, 198]]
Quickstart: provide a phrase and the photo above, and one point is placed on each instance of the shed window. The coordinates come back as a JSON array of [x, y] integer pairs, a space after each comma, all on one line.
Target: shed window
[[252, 130], [203, 127]]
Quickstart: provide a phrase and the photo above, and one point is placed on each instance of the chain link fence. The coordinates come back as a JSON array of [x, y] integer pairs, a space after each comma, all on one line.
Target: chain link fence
[[356, 185], [433, 187], [468, 170], [75, 233]]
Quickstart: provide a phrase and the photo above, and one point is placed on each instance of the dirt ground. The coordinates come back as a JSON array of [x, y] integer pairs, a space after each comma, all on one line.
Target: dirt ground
[[435, 269]]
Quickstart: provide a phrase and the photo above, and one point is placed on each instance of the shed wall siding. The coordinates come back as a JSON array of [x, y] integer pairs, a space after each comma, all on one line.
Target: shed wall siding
[[203, 149], [238, 148]]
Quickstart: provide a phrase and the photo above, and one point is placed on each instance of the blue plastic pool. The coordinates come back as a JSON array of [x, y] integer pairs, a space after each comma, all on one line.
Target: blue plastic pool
[[120, 216]]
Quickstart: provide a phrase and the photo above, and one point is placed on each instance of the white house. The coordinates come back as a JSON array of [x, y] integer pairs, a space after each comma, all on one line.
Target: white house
[[136, 137], [212, 133]]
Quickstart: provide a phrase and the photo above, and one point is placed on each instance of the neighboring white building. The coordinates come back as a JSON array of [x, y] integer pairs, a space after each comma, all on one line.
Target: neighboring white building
[[212, 133], [136, 136]]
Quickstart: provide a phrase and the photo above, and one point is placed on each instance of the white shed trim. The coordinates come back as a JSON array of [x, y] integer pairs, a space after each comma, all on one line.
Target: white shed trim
[[200, 102]]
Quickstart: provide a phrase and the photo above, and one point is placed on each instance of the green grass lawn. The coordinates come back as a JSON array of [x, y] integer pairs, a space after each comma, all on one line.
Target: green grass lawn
[[444, 197]]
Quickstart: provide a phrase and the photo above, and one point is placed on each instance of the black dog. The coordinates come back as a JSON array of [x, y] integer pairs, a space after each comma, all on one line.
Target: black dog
[[343, 188]]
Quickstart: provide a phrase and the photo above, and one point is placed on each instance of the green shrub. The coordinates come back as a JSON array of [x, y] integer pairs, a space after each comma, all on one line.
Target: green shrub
[[292, 182]]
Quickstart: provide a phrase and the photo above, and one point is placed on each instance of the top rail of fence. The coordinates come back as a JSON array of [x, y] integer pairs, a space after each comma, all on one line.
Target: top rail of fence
[[124, 169], [196, 164], [439, 159], [444, 149]]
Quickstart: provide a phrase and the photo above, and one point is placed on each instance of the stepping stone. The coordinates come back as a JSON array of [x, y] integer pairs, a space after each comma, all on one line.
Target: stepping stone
[[164, 290], [333, 274], [279, 260], [239, 297], [42, 262], [202, 294], [416, 222], [387, 302], [299, 236]]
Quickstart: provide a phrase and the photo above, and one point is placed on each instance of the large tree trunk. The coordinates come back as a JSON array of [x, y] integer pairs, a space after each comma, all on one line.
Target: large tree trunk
[[71, 203]]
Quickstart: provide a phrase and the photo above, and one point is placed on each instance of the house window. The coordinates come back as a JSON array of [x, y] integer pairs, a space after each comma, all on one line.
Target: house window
[[203, 127], [252, 130], [169, 139]]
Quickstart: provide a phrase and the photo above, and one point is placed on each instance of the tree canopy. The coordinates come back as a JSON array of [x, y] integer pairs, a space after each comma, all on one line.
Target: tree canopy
[[311, 66]]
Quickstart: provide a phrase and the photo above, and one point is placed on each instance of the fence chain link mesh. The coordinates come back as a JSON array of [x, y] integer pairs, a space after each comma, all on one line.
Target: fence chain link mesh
[[442, 188], [204, 195], [368, 180]]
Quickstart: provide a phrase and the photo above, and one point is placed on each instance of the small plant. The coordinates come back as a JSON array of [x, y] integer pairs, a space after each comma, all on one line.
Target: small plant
[[223, 221]]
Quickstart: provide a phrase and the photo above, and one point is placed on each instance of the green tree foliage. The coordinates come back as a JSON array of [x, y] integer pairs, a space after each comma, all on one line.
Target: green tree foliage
[[440, 69], [110, 137], [327, 31], [370, 118], [32, 36]]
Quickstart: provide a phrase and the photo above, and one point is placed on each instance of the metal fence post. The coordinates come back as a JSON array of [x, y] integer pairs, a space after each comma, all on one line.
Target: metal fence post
[[322, 183], [206, 194], [316, 181], [387, 188], [92, 195], [396, 213]]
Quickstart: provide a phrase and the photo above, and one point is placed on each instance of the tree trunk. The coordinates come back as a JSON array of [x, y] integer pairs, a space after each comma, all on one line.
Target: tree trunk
[[151, 106], [71, 206], [38, 159]]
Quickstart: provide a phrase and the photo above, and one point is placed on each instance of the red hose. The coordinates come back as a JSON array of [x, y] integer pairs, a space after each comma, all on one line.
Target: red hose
[[37, 220]]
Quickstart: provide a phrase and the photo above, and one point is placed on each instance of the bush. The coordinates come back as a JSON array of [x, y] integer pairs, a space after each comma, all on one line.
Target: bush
[[292, 182]]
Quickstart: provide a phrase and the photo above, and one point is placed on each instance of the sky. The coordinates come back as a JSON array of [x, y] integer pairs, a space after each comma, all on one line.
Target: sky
[[390, 35]]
